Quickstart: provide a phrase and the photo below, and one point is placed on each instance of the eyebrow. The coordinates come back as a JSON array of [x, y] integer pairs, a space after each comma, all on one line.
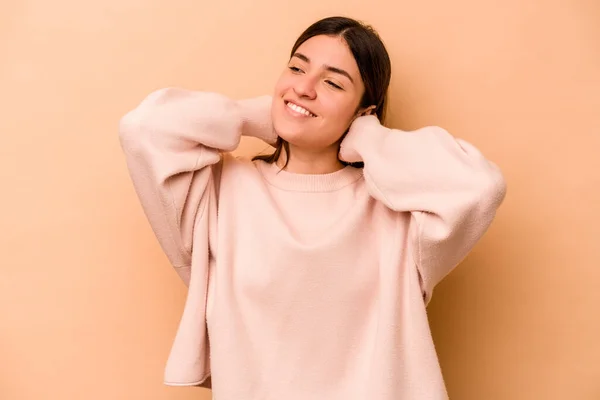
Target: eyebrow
[[327, 67]]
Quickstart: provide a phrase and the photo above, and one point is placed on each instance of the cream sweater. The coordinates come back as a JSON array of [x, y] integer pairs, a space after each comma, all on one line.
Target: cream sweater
[[310, 287]]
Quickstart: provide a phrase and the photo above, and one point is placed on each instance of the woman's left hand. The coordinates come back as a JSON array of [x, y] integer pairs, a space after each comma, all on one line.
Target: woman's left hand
[[351, 142]]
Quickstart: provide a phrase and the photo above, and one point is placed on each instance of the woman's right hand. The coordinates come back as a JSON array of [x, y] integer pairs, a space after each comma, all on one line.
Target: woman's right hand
[[256, 117]]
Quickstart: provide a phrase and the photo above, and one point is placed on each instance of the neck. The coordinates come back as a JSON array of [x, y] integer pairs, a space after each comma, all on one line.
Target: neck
[[303, 161]]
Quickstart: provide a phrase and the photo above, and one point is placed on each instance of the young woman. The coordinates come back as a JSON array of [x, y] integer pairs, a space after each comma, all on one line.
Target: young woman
[[309, 269]]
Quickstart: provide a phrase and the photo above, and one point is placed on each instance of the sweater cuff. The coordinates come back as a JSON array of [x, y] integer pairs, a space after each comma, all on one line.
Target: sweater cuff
[[256, 118], [364, 133]]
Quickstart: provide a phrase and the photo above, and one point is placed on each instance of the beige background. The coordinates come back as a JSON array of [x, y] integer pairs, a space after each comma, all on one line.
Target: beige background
[[88, 303]]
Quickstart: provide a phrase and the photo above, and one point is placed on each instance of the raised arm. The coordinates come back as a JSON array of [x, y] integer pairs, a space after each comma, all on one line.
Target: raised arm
[[172, 143], [449, 187]]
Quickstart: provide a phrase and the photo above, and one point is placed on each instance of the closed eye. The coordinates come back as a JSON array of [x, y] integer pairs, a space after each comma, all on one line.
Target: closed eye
[[333, 85], [295, 69]]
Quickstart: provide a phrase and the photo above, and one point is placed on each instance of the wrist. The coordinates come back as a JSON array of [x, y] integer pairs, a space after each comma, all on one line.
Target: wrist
[[361, 136], [256, 118]]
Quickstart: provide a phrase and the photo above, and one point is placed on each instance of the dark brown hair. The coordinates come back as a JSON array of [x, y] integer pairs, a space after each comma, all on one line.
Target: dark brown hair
[[371, 57]]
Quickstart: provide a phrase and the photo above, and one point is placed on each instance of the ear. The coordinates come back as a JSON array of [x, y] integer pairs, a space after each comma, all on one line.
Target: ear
[[366, 111]]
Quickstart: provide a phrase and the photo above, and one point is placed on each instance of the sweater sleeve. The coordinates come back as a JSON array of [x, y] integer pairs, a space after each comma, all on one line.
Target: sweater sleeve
[[172, 143], [451, 190]]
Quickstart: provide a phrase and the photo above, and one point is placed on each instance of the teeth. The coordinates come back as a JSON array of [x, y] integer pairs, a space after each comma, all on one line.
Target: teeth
[[300, 110]]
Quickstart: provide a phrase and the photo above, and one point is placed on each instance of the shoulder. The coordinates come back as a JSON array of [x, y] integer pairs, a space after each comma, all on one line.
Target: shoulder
[[239, 166]]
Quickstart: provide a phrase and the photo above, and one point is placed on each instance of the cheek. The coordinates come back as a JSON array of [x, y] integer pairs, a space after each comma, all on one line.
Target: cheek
[[339, 112], [282, 85], [280, 89]]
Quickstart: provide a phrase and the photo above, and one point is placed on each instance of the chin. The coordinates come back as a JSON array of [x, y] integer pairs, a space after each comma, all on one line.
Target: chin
[[299, 132], [288, 133], [291, 131]]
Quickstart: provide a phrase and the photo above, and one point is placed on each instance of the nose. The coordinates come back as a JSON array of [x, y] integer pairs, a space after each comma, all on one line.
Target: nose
[[305, 87]]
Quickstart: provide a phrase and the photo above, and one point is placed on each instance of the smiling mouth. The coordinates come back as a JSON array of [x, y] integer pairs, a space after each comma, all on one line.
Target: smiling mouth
[[298, 109]]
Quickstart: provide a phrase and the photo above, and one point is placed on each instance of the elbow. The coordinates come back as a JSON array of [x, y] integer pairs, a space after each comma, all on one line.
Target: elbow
[[127, 127], [489, 192], [130, 127], [485, 178], [130, 136], [495, 187]]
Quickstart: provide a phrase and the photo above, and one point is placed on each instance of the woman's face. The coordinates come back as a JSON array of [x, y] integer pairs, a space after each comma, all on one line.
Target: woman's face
[[318, 94]]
